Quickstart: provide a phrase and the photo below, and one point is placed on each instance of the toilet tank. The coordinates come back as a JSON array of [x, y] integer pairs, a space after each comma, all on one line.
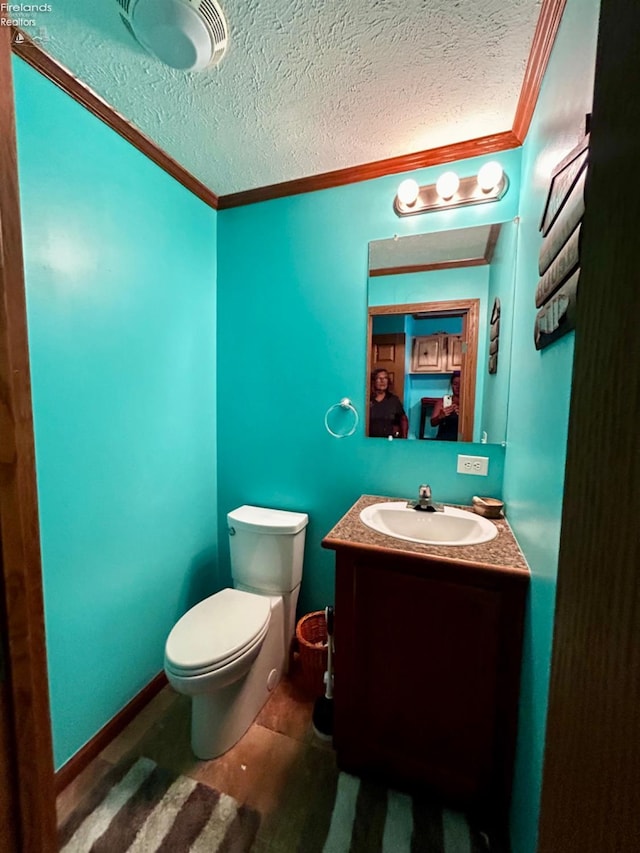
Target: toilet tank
[[267, 548]]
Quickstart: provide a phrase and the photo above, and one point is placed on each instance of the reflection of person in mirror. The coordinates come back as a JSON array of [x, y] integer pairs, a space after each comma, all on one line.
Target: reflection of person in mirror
[[446, 411], [386, 415]]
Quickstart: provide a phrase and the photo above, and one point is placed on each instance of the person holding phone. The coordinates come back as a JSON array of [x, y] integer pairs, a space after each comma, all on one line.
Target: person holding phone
[[446, 412]]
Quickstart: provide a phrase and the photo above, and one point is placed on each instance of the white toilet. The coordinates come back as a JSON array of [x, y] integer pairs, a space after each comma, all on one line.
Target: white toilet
[[229, 651]]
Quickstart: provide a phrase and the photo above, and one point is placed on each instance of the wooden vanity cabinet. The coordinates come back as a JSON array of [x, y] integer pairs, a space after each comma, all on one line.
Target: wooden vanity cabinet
[[427, 668], [438, 353]]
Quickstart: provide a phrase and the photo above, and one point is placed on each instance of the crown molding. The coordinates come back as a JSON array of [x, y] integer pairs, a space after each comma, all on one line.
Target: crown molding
[[543, 40], [440, 265], [53, 70], [394, 165]]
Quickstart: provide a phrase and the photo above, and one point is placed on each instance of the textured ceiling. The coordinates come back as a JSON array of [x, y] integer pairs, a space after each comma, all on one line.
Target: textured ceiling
[[308, 86]]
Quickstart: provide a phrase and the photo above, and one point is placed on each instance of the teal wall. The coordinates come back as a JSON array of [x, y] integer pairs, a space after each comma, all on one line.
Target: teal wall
[[539, 397], [430, 286], [292, 273], [120, 265]]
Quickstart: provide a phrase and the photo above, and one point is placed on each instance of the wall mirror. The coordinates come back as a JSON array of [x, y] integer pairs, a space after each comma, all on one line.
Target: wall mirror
[[440, 310]]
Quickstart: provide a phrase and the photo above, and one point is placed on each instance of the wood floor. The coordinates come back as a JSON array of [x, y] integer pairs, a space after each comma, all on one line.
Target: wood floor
[[278, 766], [281, 769]]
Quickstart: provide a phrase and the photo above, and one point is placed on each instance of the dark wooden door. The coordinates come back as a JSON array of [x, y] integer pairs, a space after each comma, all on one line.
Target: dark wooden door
[[591, 786], [388, 351]]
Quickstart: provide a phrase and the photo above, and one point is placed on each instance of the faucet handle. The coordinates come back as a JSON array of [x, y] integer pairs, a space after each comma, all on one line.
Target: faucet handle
[[424, 491]]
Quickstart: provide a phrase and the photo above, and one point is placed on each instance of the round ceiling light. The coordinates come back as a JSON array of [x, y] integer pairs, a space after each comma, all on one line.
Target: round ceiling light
[[408, 192], [447, 185], [490, 176]]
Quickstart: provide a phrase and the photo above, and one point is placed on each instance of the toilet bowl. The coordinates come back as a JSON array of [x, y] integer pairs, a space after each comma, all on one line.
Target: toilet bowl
[[229, 651], [216, 641], [227, 654]]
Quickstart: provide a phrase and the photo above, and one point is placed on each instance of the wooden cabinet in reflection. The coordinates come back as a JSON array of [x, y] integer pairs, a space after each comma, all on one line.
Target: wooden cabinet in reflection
[[438, 353]]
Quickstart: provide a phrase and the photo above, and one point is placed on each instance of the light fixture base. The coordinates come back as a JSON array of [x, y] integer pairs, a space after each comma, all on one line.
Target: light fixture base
[[469, 192]]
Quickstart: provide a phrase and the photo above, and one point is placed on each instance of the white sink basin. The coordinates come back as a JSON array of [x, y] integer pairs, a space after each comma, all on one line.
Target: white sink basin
[[451, 527]]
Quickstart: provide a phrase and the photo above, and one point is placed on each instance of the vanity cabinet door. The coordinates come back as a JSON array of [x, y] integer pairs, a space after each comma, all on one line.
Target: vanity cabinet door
[[419, 680]]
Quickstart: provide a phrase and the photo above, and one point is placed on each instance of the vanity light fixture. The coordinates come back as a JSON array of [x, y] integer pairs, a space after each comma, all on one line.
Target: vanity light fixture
[[490, 184]]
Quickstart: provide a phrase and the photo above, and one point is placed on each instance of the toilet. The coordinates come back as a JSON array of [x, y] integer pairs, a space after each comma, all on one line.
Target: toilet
[[230, 650]]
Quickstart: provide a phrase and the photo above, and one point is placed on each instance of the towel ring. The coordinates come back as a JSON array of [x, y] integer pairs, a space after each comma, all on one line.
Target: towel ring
[[345, 403]]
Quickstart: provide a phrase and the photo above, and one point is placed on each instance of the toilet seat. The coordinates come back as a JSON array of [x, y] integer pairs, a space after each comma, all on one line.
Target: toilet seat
[[217, 631]]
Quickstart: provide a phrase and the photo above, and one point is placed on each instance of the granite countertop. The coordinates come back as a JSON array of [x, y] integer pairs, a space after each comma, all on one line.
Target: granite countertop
[[502, 553]]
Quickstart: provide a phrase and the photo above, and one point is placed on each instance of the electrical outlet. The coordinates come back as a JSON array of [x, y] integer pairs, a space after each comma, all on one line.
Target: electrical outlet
[[473, 465]]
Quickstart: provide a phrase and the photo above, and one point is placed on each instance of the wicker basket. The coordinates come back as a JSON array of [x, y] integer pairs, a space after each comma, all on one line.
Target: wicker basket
[[311, 633]]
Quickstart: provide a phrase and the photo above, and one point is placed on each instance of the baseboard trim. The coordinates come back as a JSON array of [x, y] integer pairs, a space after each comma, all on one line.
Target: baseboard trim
[[77, 763]]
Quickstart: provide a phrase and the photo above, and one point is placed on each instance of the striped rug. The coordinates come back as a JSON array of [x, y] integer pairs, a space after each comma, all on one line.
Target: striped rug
[[139, 808], [368, 818]]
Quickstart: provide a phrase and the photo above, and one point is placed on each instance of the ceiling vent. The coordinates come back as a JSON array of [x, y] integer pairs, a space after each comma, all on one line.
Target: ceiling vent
[[187, 34]]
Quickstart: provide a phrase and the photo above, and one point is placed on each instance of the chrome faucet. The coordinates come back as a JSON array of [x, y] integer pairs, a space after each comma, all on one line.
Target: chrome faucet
[[424, 502], [424, 497]]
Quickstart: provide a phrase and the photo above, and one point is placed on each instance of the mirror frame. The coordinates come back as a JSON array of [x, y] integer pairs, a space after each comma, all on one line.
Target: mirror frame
[[470, 311]]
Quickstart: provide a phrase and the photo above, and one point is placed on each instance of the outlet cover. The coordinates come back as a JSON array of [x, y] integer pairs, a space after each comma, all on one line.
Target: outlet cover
[[473, 465]]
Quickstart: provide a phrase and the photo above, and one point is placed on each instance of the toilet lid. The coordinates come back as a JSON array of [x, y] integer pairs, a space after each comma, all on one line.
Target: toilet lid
[[217, 630]]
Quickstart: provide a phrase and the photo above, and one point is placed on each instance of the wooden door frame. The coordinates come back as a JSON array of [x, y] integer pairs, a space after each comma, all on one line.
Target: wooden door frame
[[469, 310], [591, 773], [19, 527]]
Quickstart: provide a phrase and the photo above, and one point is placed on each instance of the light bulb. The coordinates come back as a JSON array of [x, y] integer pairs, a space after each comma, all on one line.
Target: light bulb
[[489, 176], [408, 191], [447, 185]]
